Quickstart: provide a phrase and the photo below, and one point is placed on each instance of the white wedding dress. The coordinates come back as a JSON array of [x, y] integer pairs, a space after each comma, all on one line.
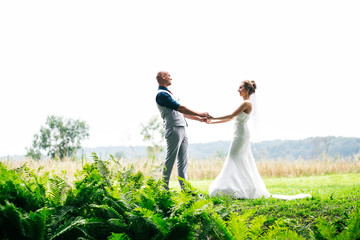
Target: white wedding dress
[[239, 176]]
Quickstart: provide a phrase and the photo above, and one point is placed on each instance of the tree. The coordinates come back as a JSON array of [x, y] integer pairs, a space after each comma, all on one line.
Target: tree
[[119, 155], [58, 138], [322, 145], [154, 133]]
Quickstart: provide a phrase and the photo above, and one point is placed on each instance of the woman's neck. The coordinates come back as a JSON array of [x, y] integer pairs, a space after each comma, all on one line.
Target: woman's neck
[[246, 98]]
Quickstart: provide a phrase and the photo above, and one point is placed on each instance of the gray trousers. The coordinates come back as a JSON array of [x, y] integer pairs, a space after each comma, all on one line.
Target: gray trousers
[[177, 145]]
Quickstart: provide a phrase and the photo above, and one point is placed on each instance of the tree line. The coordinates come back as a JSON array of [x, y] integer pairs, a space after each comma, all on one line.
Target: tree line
[[61, 137]]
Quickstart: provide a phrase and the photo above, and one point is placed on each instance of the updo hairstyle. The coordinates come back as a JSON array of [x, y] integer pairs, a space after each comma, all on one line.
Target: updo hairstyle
[[250, 86]]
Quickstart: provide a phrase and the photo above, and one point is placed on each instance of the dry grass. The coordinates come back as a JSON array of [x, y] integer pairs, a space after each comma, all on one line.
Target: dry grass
[[306, 168], [280, 168], [209, 169]]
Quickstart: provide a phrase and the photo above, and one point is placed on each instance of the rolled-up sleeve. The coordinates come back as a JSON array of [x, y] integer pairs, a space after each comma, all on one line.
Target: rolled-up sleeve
[[165, 100]]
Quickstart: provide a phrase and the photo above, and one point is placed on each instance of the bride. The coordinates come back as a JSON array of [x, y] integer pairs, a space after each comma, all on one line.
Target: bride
[[239, 176]]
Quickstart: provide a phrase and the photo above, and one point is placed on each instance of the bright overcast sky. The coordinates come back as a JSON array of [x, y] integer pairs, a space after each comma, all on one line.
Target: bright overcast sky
[[97, 61]]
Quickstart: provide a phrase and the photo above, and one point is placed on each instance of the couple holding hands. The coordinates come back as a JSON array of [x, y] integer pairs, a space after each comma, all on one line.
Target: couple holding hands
[[239, 176]]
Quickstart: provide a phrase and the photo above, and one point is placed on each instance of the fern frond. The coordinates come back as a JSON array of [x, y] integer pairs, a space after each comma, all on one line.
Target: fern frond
[[155, 218], [140, 226], [102, 167], [353, 230], [198, 207], [69, 226], [277, 231], [220, 228], [237, 226], [59, 215], [12, 222], [353, 227], [57, 190], [181, 201], [22, 168], [327, 231], [255, 227], [248, 214], [119, 205], [40, 191], [138, 179], [287, 234], [273, 230], [38, 223], [119, 236], [187, 185], [180, 231], [109, 211], [117, 224], [146, 200]]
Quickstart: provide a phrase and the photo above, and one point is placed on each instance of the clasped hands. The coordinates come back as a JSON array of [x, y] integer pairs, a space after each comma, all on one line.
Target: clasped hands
[[205, 117]]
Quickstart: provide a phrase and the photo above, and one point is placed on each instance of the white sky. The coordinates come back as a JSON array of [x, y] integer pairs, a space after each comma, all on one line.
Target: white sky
[[97, 61]]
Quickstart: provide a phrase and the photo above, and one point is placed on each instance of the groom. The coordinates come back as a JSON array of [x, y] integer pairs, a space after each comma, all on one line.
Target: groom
[[174, 115]]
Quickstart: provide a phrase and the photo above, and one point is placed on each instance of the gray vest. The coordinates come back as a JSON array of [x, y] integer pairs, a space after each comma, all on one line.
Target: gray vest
[[171, 117]]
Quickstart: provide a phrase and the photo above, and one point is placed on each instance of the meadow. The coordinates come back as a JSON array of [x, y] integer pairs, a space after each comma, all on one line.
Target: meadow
[[119, 199], [206, 169]]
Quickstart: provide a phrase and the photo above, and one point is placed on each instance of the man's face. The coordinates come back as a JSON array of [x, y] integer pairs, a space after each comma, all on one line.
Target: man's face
[[167, 79]]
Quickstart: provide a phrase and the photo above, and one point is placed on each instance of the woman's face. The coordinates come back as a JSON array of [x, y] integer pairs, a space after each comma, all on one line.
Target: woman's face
[[242, 90]]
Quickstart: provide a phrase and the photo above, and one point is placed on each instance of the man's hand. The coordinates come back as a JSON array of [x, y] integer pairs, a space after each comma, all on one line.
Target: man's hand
[[204, 119], [205, 114]]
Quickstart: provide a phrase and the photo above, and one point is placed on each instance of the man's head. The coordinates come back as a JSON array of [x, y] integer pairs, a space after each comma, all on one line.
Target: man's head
[[163, 79]]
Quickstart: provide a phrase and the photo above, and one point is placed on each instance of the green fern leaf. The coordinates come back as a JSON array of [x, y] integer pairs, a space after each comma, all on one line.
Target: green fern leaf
[[220, 229], [38, 223], [327, 231], [198, 207], [354, 225], [353, 229], [237, 226], [102, 168], [255, 227], [155, 218], [110, 212], [277, 231], [181, 201], [66, 228], [180, 231], [119, 236], [57, 190], [287, 235], [12, 222]]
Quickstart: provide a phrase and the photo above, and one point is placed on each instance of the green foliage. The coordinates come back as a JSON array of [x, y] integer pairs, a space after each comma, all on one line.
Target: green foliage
[[114, 202], [22, 187], [17, 224], [334, 197], [58, 138], [117, 236], [325, 230], [237, 226]]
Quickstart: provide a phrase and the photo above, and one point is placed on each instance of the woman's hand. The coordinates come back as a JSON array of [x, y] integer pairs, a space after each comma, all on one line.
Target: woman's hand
[[218, 121], [209, 122]]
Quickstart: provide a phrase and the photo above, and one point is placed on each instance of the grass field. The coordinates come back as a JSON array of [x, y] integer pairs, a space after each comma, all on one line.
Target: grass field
[[58, 187], [210, 168], [334, 198], [315, 185]]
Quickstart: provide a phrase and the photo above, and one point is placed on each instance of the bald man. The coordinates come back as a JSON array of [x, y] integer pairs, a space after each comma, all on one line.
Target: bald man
[[174, 116]]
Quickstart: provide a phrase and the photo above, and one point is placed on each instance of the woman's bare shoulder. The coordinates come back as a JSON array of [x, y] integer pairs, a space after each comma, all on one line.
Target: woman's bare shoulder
[[247, 103]]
